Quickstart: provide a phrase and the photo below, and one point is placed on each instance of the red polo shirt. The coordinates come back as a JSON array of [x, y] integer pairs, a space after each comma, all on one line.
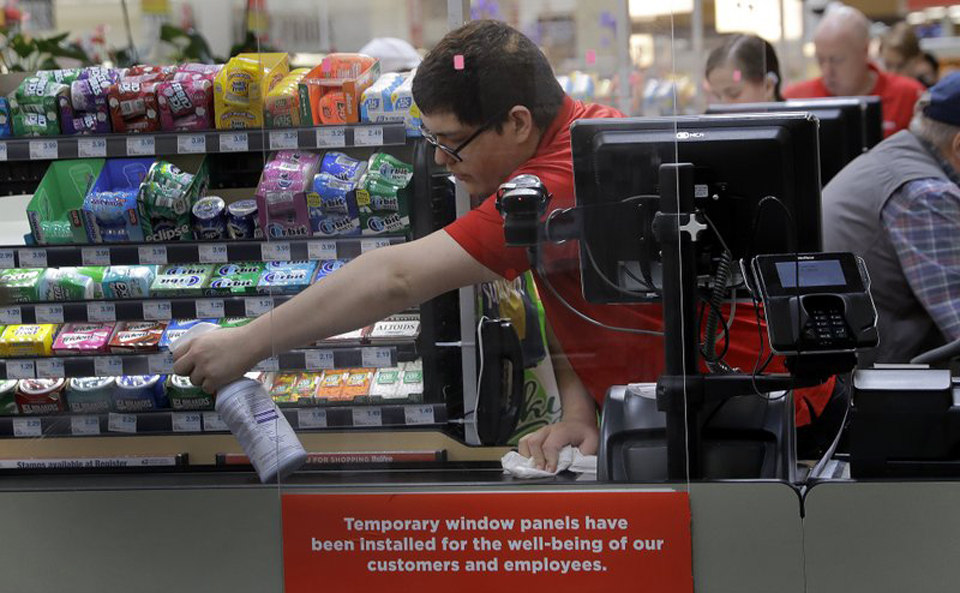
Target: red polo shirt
[[898, 93], [600, 357]]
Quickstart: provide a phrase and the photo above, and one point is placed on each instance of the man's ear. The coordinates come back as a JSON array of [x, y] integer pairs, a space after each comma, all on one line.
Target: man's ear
[[520, 123]]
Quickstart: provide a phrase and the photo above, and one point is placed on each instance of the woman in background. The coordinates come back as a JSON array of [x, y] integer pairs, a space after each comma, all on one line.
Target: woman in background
[[744, 69]]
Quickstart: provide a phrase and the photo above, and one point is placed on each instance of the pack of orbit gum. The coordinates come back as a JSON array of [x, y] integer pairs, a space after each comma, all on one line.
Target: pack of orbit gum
[[382, 197], [178, 327], [286, 277], [234, 279], [182, 280]]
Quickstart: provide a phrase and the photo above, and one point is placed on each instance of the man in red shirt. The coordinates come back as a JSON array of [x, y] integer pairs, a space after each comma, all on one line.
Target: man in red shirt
[[842, 40], [493, 109]]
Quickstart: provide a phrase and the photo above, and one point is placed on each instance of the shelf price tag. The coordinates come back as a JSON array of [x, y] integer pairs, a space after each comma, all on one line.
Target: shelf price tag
[[84, 425], [95, 256], [371, 244], [257, 306], [122, 423], [234, 142], [283, 139], [212, 422], [6, 259], [271, 364], [11, 315], [21, 369], [315, 360], [152, 254], [331, 137], [160, 364], [210, 308], [275, 251], [367, 417], [321, 250], [27, 428], [108, 366], [311, 418], [50, 368], [44, 150], [33, 258], [157, 311], [213, 254], [368, 136], [376, 357], [3, 151], [187, 422], [418, 415], [49, 313], [191, 144], [101, 311], [141, 146], [92, 148]]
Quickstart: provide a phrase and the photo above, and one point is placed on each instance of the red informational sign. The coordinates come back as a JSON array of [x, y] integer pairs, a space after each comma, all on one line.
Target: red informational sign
[[572, 541]]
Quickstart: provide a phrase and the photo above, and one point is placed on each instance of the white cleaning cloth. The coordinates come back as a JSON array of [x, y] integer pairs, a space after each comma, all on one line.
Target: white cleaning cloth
[[571, 459]]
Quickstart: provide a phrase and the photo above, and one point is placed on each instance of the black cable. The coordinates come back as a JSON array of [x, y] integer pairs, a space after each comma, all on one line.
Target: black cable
[[607, 281], [546, 281], [723, 324]]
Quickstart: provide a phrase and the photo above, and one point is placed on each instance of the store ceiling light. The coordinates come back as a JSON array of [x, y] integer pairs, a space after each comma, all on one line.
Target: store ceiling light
[[935, 13], [651, 9], [954, 11], [916, 18], [761, 17]]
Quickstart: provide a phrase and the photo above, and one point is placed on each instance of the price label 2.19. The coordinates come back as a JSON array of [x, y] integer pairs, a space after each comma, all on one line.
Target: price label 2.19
[[376, 357], [315, 360]]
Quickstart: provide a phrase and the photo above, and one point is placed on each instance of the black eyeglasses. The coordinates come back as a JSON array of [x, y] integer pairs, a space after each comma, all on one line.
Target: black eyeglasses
[[431, 138]]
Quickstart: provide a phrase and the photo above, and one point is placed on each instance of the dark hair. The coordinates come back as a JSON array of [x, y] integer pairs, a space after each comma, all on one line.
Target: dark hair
[[901, 39], [753, 56], [501, 68]]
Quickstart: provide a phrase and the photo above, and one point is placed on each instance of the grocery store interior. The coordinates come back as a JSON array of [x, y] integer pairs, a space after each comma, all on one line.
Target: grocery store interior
[[299, 295]]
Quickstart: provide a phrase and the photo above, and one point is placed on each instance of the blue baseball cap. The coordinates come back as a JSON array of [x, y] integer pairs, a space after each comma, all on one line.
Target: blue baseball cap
[[944, 103]]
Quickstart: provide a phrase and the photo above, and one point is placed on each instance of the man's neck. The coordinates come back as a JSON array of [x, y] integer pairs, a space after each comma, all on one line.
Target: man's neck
[[870, 81]]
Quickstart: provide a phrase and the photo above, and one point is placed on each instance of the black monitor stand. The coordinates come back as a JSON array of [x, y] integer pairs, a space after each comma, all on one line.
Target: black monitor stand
[[683, 393]]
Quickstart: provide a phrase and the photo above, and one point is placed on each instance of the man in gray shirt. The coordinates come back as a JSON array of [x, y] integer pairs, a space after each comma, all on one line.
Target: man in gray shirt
[[898, 207]]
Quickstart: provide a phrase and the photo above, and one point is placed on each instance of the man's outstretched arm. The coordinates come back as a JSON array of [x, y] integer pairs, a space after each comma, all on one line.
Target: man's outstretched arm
[[371, 287]]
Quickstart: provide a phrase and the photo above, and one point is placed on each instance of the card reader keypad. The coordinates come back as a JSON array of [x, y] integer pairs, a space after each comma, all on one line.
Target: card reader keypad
[[826, 327]]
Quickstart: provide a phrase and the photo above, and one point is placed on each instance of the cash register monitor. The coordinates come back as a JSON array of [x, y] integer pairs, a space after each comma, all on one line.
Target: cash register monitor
[[739, 160], [849, 126]]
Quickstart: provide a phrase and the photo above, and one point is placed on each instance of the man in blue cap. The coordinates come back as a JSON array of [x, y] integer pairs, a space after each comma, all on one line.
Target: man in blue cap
[[898, 207]]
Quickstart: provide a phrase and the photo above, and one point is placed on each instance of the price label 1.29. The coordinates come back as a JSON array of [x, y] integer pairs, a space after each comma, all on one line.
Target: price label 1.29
[[51, 368], [44, 149], [191, 144], [210, 308], [257, 306], [11, 316], [108, 366], [157, 310], [21, 369], [161, 364], [331, 137], [92, 148], [141, 146]]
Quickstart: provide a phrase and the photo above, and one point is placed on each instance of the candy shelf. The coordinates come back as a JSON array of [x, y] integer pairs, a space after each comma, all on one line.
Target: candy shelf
[[187, 252], [205, 142], [161, 363], [302, 418]]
